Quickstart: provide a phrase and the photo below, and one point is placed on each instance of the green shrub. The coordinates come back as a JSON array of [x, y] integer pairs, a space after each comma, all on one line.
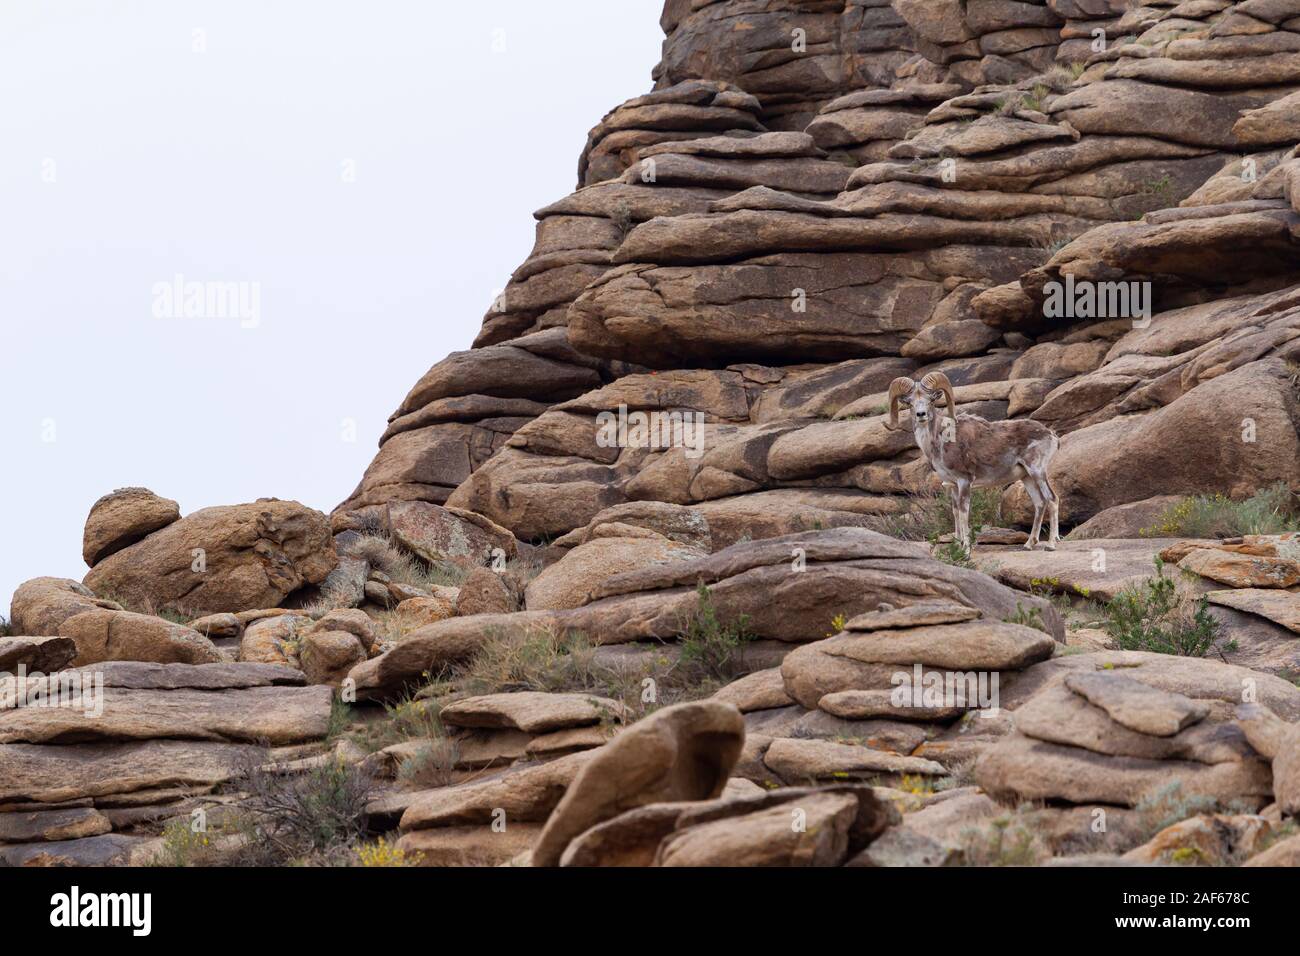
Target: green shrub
[[1031, 617], [1153, 616], [1273, 510], [709, 645], [407, 719]]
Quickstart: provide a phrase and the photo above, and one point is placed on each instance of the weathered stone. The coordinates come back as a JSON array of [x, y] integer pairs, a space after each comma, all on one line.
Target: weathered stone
[[70, 824], [122, 518], [767, 838], [526, 794], [803, 761], [232, 558], [448, 534], [102, 635], [480, 845], [1242, 570], [1018, 768], [534, 712], [43, 654], [569, 582], [683, 752], [762, 690], [485, 592], [1137, 706], [279, 715], [1280, 607], [328, 656], [44, 773], [1204, 841]]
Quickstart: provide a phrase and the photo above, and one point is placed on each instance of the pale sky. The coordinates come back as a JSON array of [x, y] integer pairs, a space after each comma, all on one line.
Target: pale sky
[[368, 167]]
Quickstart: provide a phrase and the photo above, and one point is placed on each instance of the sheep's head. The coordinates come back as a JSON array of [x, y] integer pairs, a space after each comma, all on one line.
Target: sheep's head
[[924, 398]]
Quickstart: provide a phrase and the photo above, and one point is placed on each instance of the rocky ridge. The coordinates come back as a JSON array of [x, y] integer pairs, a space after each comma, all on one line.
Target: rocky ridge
[[717, 650]]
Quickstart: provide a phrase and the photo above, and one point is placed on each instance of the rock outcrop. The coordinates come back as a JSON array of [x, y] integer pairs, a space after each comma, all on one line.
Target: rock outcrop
[[647, 576]]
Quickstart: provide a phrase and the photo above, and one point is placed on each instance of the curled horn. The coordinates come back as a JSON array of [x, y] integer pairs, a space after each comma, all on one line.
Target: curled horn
[[938, 382], [897, 389]]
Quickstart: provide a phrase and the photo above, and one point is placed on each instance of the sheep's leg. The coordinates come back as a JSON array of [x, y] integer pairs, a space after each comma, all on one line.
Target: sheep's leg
[[1036, 496], [961, 516], [1054, 506]]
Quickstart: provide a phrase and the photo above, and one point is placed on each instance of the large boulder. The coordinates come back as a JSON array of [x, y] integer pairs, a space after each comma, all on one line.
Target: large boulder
[[100, 630], [569, 582], [122, 518], [448, 534], [232, 558], [1246, 423], [683, 752]]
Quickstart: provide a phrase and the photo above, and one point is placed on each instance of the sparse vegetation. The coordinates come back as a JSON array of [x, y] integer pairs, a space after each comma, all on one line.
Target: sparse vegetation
[[182, 845], [1170, 805], [1155, 616], [382, 853], [314, 817], [387, 556], [1161, 186], [706, 657], [407, 719], [709, 644], [954, 553], [1036, 98], [432, 765], [1027, 617], [930, 515], [1008, 840], [1272, 510], [5, 629], [544, 660]]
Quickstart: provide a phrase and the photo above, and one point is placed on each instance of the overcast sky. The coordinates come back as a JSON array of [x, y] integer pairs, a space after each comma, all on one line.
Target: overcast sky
[[368, 168]]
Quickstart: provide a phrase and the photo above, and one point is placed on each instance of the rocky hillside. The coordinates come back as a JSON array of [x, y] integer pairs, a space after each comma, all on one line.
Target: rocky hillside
[[646, 576]]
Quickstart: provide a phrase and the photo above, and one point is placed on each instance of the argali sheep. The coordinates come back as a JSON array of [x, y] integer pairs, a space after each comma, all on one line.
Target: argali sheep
[[967, 452]]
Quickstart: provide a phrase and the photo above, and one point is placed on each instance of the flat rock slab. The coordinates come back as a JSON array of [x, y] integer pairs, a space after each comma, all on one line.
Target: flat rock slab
[[914, 615], [40, 773], [1242, 570], [43, 654], [1136, 705], [763, 690], [110, 849], [864, 704], [43, 825], [1198, 678], [480, 845], [1073, 567], [533, 712], [974, 645], [278, 715], [767, 838], [1280, 607], [1058, 715], [796, 760], [526, 794], [144, 675], [1019, 768]]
